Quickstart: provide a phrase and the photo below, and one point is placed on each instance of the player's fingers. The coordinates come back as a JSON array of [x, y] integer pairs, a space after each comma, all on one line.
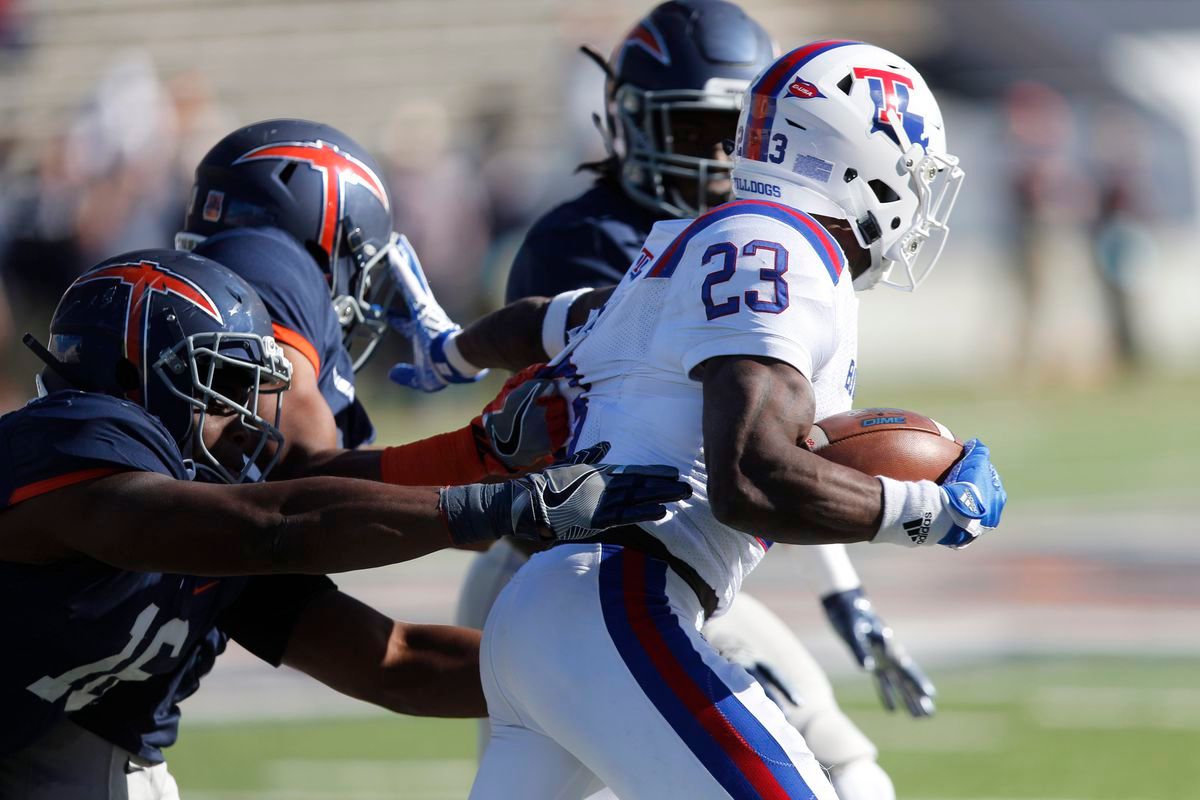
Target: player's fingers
[[886, 691], [662, 490], [591, 455], [917, 702], [403, 374], [914, 675], [629, 514], [648, 471]]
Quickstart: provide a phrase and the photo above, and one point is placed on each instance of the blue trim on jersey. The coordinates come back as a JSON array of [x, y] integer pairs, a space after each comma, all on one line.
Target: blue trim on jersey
[[633, 584], [816, 235]]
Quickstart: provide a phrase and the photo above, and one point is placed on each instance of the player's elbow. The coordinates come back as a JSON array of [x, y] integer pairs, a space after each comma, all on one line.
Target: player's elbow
[[735, 497]]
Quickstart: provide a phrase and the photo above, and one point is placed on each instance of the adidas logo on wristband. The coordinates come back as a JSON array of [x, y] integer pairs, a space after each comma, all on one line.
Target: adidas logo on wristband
[[918, 529]]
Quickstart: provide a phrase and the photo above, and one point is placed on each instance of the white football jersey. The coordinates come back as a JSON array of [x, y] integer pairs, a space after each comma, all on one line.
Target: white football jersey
[[748, 278]]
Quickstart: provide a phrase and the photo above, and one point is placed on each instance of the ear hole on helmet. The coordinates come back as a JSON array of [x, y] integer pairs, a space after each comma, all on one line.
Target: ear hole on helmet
[[845, 83], [895, 223], [883, 192], [127, 375], [318, 253], [849, 175], [285, 174]]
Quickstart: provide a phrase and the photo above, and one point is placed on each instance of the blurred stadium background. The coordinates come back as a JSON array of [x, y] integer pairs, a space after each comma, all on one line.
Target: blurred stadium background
[[1062, 327]]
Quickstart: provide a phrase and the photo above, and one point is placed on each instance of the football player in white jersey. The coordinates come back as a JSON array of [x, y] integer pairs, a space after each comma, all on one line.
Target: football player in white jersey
[[716, 355]]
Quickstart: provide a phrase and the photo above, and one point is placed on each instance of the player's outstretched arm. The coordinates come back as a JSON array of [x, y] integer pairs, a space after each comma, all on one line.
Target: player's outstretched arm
[[151, 523], [528, 331], [423, 670], [520, 430], [760, 481]]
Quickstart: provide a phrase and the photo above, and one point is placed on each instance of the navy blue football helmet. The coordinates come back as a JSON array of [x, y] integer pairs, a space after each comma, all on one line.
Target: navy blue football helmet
[[684, 56], [177, 334], [319, 185]]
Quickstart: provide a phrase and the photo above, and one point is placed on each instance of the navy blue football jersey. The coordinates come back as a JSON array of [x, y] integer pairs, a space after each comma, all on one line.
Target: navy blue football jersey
[[588, 242], [296, 294], [80, 628], [116, 650]]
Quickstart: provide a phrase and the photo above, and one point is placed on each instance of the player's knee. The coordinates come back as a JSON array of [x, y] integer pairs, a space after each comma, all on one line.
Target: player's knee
[[862, 779], [832, 736]]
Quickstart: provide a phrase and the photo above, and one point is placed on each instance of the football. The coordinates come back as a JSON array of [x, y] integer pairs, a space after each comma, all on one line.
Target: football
[[898, 444]]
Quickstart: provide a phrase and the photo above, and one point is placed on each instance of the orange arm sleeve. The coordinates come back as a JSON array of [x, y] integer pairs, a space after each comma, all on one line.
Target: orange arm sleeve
[[448, 459]]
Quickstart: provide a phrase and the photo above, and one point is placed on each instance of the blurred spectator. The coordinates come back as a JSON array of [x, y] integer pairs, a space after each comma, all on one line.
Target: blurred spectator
[[438, 201], [1119, 238], [1058, 322], [105, 186]]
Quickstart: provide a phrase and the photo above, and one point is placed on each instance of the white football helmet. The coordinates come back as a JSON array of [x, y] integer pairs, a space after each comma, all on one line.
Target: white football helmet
[[850, 130]]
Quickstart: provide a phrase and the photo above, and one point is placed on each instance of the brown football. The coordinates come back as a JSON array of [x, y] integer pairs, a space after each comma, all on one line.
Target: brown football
[[892, 442]]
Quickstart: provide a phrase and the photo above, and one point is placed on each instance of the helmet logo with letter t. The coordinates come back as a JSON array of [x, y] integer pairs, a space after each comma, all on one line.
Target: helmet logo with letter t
[[147, 277], [336, 169], [890, 93], [647, 37]]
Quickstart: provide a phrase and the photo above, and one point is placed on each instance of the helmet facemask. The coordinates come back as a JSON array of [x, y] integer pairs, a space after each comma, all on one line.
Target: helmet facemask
[[646, 147], [363, 309], [936, 178], [224, 374]]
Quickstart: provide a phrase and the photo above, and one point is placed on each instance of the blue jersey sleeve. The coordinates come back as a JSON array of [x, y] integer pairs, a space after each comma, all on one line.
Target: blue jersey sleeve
[[294, 290], [68, 437], [290, 283]]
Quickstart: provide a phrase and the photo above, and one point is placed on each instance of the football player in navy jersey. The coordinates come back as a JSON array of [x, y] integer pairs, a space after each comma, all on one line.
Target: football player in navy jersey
[[298, 210], [120, 577], [672, 94]]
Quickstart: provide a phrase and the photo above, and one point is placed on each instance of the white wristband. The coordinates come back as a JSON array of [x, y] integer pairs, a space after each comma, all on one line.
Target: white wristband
[[914, 513], [554, 326], [455, 359]]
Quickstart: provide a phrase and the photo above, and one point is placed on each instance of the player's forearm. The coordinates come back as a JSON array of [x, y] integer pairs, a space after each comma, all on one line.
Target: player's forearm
[[424, 670], [433, 671], [312, 525], [828, 569], [447, 459], [510, 338], [799, 498], [335, 525]]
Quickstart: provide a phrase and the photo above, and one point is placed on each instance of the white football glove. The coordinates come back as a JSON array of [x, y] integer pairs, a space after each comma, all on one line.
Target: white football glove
[[436, 361]]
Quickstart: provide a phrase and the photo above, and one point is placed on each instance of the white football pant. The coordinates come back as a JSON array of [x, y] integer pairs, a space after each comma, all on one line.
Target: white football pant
[[594, 667], [749, 633]]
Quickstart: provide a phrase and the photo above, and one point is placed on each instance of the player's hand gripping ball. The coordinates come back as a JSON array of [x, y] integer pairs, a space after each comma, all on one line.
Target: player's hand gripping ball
[[908, 446]]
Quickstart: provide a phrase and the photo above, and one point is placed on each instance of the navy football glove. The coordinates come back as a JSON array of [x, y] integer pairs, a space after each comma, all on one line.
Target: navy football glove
[[565, 502], [897, 677]]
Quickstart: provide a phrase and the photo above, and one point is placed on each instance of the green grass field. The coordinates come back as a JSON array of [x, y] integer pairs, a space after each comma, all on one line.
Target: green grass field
[[1100, 729]]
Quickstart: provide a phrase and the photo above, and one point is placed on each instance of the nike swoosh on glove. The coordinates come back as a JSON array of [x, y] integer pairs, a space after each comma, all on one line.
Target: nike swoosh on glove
[[974, 495], [524, 425], [565, 502]]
